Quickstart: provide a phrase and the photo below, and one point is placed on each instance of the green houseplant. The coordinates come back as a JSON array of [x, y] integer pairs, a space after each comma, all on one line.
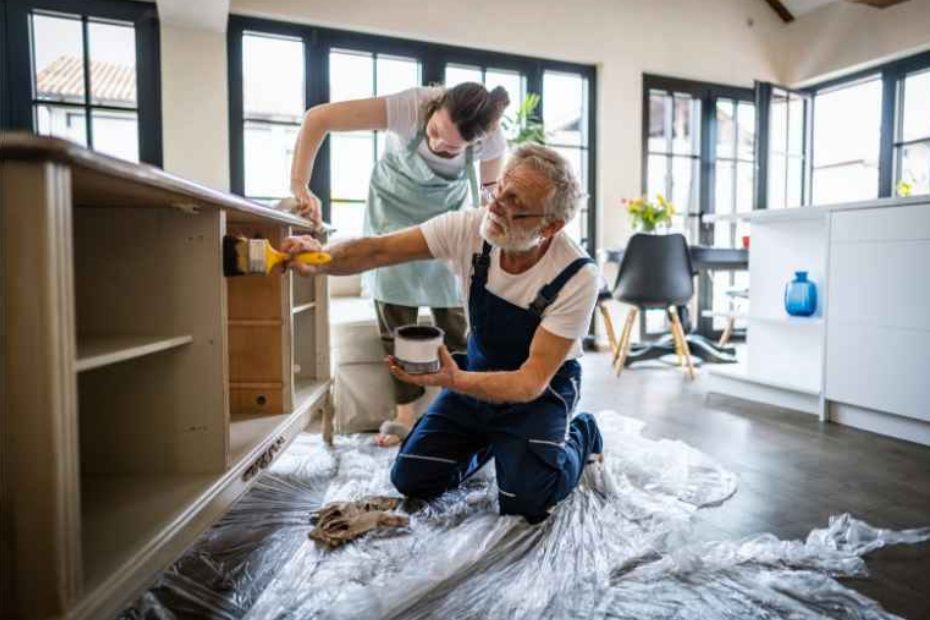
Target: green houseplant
[[646, 215], [525, 125]]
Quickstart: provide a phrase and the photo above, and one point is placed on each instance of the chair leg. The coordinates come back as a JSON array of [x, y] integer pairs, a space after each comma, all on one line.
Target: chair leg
[[609, 326], [727, 332], [676, 327], [679, 353], [624, 346]]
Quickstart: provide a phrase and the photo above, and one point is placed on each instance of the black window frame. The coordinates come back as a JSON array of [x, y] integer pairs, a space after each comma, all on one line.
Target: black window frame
[[433, 58], [17, 111], [891, 73], [707, 93]]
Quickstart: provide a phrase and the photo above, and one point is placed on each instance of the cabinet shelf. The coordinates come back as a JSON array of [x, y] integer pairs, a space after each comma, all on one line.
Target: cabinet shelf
[[122, 514], [96, 352], [800, 321]]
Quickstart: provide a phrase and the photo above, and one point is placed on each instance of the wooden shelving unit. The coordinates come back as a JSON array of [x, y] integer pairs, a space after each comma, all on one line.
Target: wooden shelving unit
[[142, 392]]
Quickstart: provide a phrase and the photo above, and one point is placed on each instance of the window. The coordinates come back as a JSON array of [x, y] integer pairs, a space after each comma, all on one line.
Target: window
[[789, 118], [733, 193], [699, 143], [273, 107], [355, 75], [862, 135], [912, 132], [674, 153], [847, 128], [565, 118], [90, 77], [278, 70]]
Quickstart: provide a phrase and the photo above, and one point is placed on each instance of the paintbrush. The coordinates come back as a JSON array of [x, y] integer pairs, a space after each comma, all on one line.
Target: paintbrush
[[243, 256]]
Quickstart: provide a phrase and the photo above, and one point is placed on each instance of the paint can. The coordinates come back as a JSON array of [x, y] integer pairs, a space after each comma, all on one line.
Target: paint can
[[416, 348]]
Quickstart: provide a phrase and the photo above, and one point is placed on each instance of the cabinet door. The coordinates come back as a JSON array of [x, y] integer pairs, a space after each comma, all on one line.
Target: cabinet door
[[878, 338]]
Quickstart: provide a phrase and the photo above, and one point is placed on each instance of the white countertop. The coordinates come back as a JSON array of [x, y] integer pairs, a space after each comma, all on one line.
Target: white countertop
[[815, 212]]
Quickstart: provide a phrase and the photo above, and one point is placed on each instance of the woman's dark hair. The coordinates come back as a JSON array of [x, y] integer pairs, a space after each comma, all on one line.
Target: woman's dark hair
[[474, 110]]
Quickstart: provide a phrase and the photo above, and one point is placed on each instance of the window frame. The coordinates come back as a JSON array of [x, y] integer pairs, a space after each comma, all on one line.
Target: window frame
[[891, 74], [16, 111], [433, 57], [707, 93]]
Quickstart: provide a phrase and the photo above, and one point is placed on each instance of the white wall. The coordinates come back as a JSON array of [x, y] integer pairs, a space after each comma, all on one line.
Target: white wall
[[844, 36], [195, 104]]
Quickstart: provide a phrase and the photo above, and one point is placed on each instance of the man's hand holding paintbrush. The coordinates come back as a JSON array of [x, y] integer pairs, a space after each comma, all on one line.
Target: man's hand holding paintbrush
[[357, 255]]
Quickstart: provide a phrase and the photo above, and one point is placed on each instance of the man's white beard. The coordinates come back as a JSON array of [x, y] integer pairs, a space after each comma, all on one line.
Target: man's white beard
[[511, 240]]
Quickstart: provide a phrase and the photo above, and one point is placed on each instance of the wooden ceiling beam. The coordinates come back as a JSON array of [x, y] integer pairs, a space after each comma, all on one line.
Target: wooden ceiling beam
[[780, 10]]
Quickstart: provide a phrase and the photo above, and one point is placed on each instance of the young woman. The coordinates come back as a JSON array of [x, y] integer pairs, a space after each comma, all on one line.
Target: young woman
[[435, 136]]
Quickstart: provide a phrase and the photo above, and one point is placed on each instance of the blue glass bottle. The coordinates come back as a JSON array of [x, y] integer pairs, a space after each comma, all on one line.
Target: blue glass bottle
[[801, 295]]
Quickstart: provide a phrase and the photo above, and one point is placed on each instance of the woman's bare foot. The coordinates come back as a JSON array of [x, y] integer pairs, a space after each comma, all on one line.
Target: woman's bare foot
[[404, 417]]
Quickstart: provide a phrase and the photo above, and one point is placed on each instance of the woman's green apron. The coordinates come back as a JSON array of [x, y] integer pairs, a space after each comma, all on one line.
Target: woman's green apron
[[405, 192]]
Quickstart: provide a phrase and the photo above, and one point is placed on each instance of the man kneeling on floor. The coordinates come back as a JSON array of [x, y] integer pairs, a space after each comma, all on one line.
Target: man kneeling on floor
[[530, 292]]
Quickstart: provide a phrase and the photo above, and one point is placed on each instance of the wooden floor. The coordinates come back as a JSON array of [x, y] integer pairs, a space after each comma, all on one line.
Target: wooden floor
[[794, 471]]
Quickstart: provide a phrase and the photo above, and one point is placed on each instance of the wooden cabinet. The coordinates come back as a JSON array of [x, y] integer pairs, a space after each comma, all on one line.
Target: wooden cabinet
[[141, 391]]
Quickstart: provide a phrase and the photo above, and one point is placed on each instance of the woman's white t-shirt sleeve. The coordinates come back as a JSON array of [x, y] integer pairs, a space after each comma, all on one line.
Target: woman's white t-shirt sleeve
[[493, 146]]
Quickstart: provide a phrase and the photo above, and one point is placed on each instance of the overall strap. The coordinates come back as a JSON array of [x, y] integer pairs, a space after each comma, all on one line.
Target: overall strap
[[549, 292], [480, 264]]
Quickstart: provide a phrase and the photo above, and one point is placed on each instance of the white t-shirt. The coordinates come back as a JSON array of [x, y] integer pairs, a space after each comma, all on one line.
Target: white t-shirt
[[404, 119], [456, 236]]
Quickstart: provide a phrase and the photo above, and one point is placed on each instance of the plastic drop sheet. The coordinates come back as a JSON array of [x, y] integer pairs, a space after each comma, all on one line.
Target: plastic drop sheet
[[620, 546]]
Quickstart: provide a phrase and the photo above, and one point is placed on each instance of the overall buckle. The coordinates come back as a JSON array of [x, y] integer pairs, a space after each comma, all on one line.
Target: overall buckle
[[540, 304]]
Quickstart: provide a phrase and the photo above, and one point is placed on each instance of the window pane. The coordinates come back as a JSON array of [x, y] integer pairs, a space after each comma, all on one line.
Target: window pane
[[684, 184], [916, 121], [726, 128], [915, 167], [848, 125], [116, 133], [514, 83], [658, 136], [58, 50], [795, 182], [656, 179], [576, 157], [845, 183], [776, 182], [723, 188], [564, 108], [113, 65], [723, 235], [62, 122], [268, 152], [396, 74], [351, 75], [746, 131], [352, 158], [778, 122], [744, 186], [456, 74], [795, 125], [348, 218], [575, 229], [686, 125], [273, 78]]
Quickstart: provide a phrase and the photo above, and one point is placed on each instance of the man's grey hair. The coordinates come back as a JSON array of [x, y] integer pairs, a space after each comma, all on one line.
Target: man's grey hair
[[566, 190]]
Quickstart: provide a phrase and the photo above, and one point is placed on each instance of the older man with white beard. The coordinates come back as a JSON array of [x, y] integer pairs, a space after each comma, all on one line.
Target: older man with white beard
[[530, 291]]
